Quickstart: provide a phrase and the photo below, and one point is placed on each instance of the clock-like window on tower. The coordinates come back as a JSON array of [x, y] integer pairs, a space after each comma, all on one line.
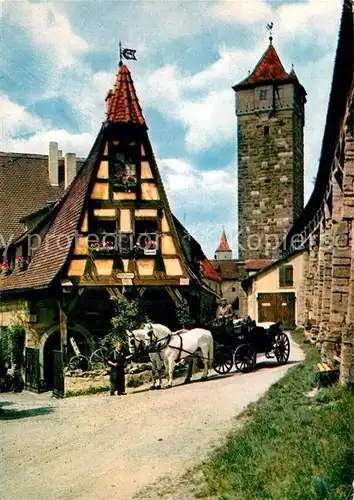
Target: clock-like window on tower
[[263, 94]]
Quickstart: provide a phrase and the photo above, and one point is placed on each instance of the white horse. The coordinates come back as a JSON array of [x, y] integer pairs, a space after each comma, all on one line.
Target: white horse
[[139, 340], [174, 348]]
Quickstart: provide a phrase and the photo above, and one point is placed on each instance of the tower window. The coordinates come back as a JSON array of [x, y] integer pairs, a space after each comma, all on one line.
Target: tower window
[[266, 130], [263, 94]]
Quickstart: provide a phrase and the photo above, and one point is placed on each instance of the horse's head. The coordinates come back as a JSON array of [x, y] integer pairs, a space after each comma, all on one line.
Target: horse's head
[[137, 341]]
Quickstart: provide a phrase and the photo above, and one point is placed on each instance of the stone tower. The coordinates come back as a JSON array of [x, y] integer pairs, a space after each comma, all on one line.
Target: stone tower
[[223, 252], [270, 112]]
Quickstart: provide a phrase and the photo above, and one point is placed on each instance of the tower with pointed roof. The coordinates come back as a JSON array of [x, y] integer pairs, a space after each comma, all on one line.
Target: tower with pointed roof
[[270, 113], [223, 252]]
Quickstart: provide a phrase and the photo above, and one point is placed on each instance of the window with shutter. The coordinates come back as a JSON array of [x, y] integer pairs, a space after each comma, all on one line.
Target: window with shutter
[[286, 276]]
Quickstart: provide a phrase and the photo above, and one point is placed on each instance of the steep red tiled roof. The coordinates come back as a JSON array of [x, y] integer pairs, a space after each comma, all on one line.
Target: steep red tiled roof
[[209, 272], [268, 69], [223, 245], [122, 102], [56, 244]]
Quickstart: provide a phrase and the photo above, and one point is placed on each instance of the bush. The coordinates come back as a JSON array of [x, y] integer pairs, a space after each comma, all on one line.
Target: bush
[[12, 341], [129, 316]]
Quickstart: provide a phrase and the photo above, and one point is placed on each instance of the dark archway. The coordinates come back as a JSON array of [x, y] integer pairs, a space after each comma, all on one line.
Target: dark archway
[[236, 306], [52, 344], [160, 308]]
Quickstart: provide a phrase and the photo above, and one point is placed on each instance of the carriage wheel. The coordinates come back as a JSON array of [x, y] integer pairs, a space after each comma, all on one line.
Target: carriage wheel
[[223, 361], [245, 358], [281, 348], [79, 363], [100, 356]]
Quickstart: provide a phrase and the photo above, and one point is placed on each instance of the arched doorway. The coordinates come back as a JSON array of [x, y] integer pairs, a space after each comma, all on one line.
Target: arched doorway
[[51, 342]]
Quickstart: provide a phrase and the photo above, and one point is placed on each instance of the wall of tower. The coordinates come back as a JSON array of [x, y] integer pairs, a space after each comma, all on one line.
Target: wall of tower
[[270, 169]]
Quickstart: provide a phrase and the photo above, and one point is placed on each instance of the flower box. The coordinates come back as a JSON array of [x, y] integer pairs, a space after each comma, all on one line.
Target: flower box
[[102, 247], [5, 269], [124, 182], [21, 264]]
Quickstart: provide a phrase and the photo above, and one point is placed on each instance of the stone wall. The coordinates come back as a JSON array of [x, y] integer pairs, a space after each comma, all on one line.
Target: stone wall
[[330, 282]]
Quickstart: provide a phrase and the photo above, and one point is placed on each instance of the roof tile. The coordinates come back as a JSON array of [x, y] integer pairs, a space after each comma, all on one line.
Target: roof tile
[[122, 102]]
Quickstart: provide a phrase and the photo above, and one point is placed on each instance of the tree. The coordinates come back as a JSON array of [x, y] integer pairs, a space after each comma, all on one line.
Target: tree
[[130, 315], [183, 316]]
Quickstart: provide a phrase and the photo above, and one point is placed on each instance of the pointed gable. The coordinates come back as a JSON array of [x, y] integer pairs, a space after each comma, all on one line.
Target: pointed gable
[[269, 69], [223, 245], [122, 102]]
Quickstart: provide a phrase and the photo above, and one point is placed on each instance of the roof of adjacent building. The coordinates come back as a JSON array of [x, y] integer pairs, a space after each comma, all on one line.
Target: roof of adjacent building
[[57, 242], [122, 102], [223, 245], [194, 252], [342, 87], [273, 264], [236, 269], [20, 176]]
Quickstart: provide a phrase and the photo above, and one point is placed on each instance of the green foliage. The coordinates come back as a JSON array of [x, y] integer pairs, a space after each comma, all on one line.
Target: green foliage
[[135, 381], [292, 445], [12, 340], [92, 389], [130, 315], [183, 315]]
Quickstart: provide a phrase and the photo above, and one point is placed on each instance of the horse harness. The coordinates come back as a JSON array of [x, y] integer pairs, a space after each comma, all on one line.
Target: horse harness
[[158, 348]]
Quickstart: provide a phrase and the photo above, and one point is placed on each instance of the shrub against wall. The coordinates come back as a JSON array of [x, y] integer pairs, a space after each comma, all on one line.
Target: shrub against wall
[[130, 315], [12, 341]]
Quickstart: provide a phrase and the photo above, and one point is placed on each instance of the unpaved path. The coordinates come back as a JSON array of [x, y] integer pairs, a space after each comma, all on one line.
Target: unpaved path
[[107, 448]]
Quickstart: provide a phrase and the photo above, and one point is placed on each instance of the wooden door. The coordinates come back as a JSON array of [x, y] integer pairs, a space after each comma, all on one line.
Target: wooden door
[[277, 308]]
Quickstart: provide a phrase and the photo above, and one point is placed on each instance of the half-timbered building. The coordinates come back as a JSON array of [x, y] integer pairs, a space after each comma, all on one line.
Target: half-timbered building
[[80, 236]]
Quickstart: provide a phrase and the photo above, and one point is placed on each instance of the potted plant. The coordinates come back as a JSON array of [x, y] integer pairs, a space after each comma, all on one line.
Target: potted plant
[[5, 269], [130, 181], [150, 248], [102, 246], [21, 263]]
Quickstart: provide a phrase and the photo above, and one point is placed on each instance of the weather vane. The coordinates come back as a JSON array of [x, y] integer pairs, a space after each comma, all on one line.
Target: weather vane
[[270, 29], [126, 53]]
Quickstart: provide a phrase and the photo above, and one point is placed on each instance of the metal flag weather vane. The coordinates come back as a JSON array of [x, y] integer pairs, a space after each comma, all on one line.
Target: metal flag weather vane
[[126, 53], [270, 29]]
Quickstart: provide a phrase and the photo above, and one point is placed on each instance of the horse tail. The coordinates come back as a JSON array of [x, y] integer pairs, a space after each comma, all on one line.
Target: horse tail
[[211, 353]]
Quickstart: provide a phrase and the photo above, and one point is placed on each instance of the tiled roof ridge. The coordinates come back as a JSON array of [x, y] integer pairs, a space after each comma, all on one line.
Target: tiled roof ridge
[[122, 101], [7, 154]]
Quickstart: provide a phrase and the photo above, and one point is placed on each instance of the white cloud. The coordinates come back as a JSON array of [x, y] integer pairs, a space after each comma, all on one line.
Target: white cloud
[[242, 11], [49, 28], [39, 143], [16, 120]]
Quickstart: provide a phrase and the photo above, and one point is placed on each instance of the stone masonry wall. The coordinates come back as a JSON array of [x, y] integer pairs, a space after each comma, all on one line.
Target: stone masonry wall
[[270, 179]]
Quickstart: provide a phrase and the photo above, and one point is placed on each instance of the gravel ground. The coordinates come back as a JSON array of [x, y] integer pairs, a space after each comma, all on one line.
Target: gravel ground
[[137, 446]]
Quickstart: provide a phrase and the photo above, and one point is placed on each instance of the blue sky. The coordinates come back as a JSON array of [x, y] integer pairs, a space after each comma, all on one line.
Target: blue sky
[[59, 59]]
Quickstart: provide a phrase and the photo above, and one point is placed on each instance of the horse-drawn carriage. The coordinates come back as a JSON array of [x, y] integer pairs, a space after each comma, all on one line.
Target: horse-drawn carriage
[[238, 343]]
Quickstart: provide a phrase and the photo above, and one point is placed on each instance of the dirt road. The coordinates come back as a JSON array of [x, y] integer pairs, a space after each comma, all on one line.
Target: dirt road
[[107, 448]]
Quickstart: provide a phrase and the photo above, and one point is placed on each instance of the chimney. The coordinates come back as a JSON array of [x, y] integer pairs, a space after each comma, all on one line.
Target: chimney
[[69, 168], [53, 165]]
